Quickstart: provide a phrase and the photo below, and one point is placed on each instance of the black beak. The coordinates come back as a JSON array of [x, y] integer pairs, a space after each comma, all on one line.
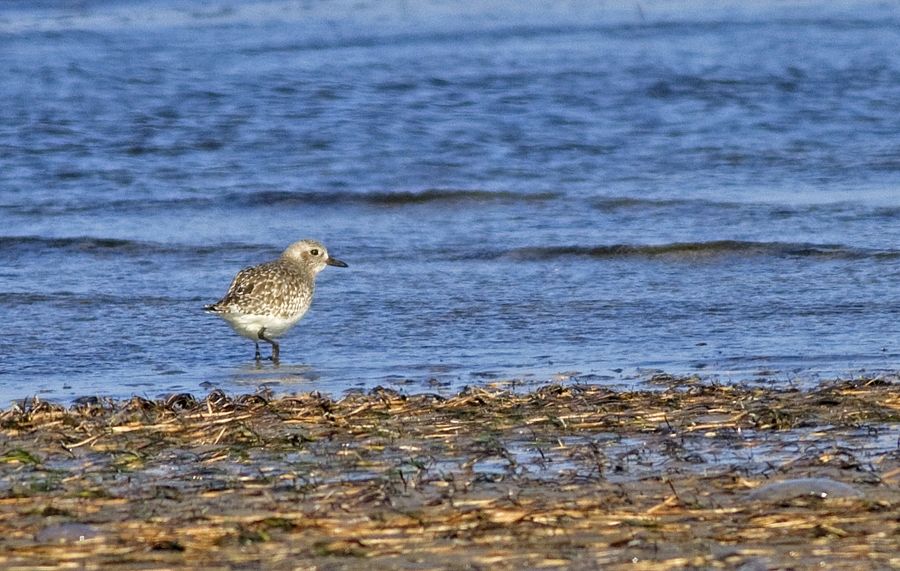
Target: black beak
[[337, 263]]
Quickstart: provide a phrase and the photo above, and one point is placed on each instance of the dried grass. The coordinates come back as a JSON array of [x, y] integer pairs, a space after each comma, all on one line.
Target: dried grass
[[566, 476]]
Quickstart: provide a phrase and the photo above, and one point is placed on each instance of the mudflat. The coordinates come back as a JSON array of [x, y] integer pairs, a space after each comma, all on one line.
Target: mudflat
[[684, 475]]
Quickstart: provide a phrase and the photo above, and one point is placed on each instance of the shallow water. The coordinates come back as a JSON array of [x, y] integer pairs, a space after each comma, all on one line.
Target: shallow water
[[521, 190]]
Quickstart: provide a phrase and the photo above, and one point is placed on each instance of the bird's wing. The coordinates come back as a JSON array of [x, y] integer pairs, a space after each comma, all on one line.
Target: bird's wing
[[251, 289]]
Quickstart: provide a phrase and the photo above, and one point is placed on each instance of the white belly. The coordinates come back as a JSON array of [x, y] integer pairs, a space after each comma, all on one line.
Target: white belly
[[249, 325]]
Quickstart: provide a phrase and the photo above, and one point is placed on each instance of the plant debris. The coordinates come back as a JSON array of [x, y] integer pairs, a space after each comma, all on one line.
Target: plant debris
[[569, 475]]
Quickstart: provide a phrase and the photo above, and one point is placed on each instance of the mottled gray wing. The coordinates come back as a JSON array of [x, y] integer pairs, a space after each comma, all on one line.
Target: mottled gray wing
[[252, 290]]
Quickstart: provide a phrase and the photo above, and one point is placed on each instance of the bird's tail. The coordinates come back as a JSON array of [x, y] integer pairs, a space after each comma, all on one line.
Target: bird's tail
[[212, 308]]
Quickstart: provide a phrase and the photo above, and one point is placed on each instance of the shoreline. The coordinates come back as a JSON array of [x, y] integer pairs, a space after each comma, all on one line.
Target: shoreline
[[691, 474]]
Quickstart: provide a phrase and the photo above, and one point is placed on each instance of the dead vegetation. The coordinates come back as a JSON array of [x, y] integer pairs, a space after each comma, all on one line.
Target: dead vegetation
[[574, 476]]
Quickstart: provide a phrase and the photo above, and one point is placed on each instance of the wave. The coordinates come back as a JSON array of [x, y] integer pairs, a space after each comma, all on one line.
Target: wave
[[79, 300], [78, 243], [290, 198], [612, 203], [11, 245], [695, 250], [16, 245], [389, 198], [848, 208]]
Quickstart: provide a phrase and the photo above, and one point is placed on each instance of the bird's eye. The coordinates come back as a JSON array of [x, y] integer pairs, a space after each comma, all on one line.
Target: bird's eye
[[314, 252]]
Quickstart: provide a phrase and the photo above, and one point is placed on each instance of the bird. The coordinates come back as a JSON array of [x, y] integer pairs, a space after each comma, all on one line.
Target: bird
[[265, 301]]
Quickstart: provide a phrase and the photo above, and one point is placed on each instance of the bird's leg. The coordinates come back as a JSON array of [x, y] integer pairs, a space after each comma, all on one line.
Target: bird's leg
[[275, 348], [258, 354]]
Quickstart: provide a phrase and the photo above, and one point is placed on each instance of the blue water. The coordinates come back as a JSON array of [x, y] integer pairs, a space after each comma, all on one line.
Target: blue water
[[523, 190]]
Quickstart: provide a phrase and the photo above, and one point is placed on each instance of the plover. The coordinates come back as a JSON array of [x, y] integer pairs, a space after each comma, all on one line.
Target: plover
[[265, 301]]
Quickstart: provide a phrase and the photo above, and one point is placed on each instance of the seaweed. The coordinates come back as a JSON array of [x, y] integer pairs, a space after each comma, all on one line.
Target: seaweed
[[569, 475]]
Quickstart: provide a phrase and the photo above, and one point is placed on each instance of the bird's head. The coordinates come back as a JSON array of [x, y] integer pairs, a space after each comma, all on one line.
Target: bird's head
[[311, 255]]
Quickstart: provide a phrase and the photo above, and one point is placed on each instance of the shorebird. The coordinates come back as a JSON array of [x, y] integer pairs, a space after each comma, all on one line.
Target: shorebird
[[264, 301]]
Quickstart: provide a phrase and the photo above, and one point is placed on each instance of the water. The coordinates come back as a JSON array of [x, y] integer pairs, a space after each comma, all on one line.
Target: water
[[522, 190]]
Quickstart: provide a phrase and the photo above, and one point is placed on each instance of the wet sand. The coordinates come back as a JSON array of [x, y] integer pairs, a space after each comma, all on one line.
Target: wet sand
[[687, 475]]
